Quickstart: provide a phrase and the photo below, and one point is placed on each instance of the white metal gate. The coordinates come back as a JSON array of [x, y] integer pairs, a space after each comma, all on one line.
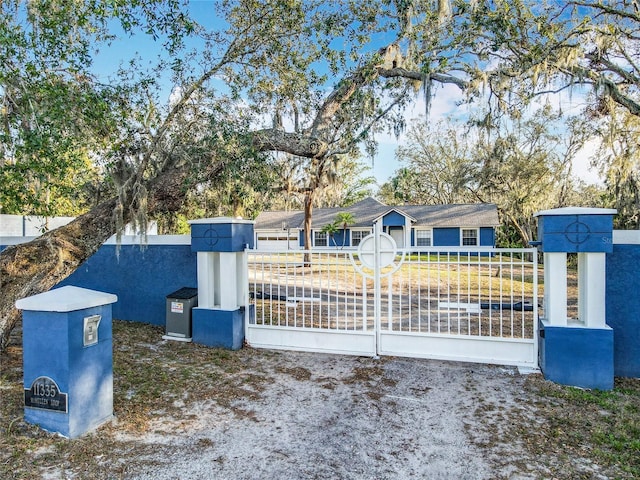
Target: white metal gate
[[462, 303]]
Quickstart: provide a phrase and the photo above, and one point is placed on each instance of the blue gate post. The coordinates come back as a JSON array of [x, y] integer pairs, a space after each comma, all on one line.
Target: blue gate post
[[218, 320], [577, 352], [67, 359]]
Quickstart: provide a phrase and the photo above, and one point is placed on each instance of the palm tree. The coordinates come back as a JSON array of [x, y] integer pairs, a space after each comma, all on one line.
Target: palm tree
[[330, 229], [345, 219]]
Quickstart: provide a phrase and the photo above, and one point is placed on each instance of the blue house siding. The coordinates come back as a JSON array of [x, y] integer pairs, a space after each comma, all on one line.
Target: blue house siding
[[446, 237], [336, 241], [441, 237], [339, 237], [393, 219], [487, 237]]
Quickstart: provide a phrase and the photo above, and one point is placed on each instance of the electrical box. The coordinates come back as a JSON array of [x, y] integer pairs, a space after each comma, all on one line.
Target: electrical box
[[179, 306]]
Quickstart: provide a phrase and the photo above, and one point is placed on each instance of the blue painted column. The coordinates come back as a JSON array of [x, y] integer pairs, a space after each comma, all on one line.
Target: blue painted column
[[576, 351], [68, 359], [220, 243]]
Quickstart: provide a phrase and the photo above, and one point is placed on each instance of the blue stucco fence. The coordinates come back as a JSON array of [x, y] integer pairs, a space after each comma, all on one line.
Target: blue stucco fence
[[623, 307], [141, 276]]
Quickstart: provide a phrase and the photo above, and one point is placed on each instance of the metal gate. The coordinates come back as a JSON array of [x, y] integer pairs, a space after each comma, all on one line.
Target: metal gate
[[455, 303]]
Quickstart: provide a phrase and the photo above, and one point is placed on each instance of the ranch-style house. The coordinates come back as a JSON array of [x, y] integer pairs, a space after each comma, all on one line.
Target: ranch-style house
[[456, 225]]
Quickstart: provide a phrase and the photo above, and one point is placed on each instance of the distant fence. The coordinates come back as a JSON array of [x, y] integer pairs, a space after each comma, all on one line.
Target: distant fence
[[29, 225], [18, 226]]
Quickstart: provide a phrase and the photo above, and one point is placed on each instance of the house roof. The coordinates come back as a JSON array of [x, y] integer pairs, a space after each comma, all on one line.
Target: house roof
[[368, 210]]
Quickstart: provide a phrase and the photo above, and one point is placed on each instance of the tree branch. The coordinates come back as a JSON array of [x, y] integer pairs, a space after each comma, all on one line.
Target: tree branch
[[412, 75], [298, 144]]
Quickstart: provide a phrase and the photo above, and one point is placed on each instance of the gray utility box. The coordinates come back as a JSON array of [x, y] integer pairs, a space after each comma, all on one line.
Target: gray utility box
[[179, 305]]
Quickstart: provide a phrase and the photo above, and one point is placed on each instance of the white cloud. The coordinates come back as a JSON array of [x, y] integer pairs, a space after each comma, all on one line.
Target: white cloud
[[582, 167]]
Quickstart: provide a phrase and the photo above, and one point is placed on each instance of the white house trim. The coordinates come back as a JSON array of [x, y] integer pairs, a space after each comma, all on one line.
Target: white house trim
[[476, 229], [366, 230], [422, 229]]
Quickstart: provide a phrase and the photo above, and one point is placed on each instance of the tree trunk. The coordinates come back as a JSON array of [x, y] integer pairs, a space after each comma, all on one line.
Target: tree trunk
[[519, 228], [308, 211], [37, 266]]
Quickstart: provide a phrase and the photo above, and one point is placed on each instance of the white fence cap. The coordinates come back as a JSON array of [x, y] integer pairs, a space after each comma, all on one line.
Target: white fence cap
[[626, 237], [66, 299], [220, 220], [576, 211]]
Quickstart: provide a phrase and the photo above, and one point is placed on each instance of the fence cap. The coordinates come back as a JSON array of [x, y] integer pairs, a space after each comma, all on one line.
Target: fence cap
[[66, 299], [576, 211], [220, 220]]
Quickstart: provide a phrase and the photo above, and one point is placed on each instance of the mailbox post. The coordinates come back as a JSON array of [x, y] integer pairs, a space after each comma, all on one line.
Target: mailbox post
[[68, 359]]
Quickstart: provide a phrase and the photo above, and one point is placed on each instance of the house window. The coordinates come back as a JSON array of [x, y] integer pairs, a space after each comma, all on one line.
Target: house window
[[320, 239], [470, 237], [423, 238], [357, 236]]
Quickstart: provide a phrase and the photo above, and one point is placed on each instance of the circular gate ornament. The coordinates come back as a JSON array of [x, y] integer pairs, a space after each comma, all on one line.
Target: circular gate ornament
[[388, 250]]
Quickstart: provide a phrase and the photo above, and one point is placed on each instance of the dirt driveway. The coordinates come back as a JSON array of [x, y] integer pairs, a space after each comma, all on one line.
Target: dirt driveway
[[321, 416]]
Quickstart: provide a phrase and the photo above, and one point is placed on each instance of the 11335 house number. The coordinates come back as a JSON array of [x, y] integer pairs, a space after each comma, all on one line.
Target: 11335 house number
[[45, 394]]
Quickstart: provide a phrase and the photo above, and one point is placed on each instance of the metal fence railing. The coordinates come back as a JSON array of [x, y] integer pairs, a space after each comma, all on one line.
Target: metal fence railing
[[478, 293], [323, 292], [484, 293]]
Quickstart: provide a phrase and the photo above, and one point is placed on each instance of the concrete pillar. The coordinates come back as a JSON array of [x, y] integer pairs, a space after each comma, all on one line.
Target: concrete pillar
[[206, 279], [592, 289], [218, 320], [576, 353], [555, 288], [228, 272]]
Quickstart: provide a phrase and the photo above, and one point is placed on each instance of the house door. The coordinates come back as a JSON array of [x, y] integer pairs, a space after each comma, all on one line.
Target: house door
[[397, 233]]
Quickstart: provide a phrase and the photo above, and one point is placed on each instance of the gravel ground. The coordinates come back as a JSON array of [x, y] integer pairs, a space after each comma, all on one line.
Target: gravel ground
[[322, 416], [185, 411]]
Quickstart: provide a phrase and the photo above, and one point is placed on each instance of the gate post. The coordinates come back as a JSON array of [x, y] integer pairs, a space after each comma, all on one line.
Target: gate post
[[577, 352], [218, 320], [377, 260]]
